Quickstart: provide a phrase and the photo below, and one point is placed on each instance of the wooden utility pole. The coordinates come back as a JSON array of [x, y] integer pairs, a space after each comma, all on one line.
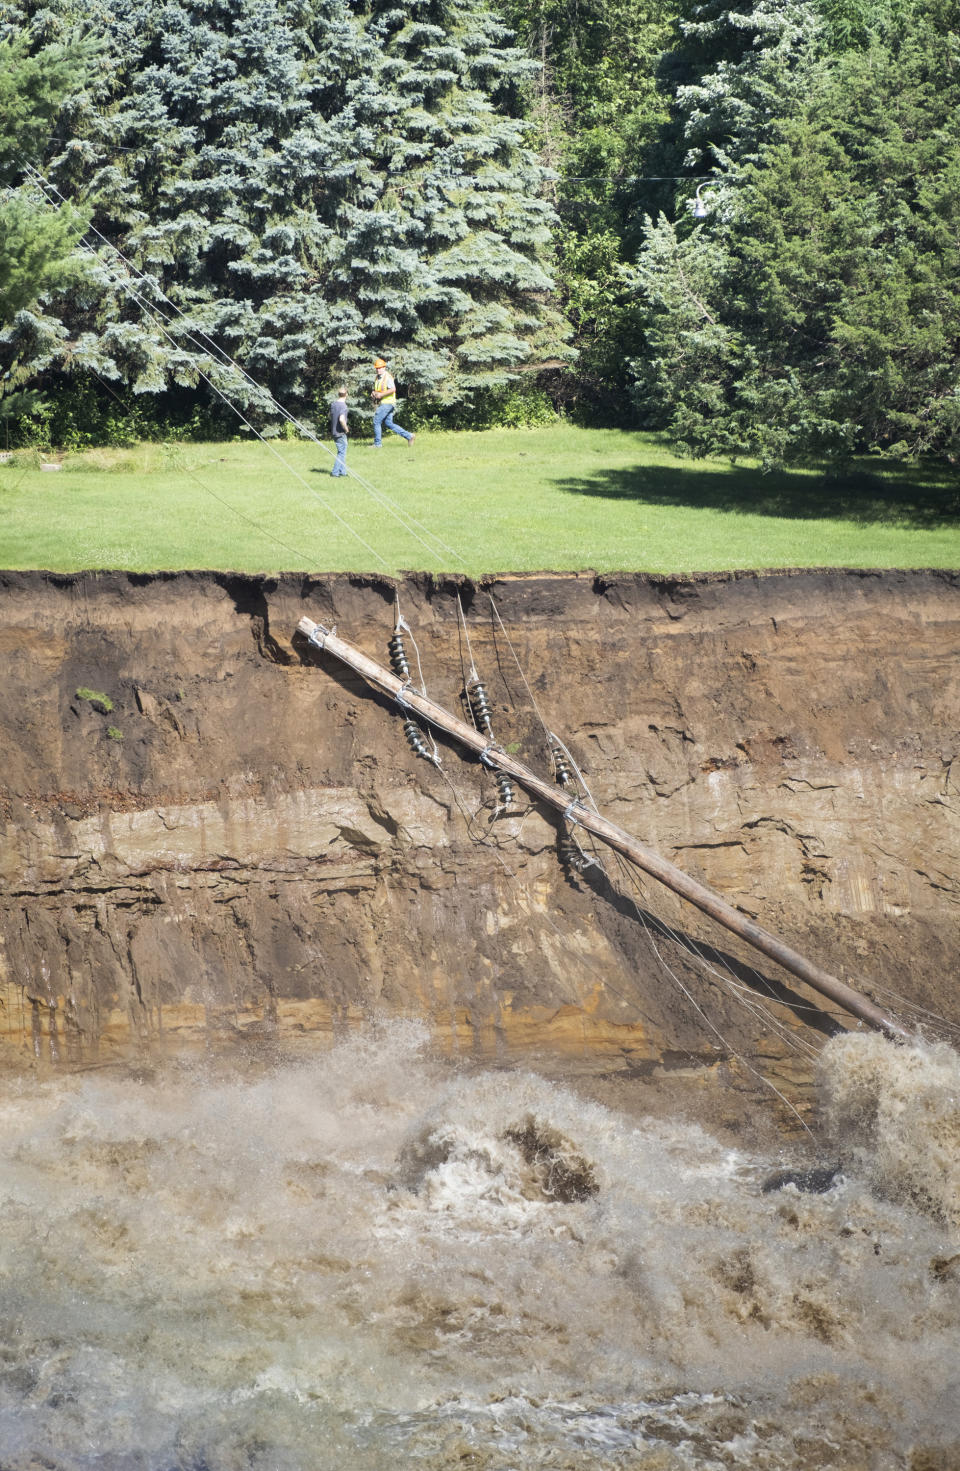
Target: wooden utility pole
[[615, 837]]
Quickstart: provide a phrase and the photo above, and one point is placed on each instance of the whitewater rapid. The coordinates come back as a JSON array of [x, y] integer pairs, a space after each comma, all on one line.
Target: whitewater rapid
[[369, 1259]]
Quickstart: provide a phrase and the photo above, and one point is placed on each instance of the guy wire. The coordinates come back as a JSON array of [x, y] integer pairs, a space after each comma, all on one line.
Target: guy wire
[[725, 977], [799, 1045], [154, 313], [523, 678], [194, 335], [690, 944], [466, 634], [187, 470]]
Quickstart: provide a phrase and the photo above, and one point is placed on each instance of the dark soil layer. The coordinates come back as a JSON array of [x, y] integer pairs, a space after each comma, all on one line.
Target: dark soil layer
[[212, 834]]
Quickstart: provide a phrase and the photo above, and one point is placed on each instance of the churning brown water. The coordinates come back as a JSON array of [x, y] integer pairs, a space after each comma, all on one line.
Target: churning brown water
[[367, 1261]]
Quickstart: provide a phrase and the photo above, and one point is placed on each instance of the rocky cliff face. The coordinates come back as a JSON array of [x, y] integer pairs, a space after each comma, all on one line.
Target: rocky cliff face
[[211, 832]]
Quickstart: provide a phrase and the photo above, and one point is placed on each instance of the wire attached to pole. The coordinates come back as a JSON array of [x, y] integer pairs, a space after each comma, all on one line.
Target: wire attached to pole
[[198, 338]]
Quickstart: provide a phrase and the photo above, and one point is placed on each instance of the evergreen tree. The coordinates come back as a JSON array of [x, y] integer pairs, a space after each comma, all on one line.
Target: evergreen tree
[[37, 240], [306, 182], [442, 233], [762, 54], [815, 311], [204, 144]]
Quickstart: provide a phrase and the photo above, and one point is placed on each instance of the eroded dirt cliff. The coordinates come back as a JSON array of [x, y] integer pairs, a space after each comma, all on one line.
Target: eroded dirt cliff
[[212, 834]]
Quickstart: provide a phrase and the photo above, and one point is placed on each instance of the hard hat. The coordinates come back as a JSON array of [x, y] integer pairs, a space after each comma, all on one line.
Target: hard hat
[[379, 363]]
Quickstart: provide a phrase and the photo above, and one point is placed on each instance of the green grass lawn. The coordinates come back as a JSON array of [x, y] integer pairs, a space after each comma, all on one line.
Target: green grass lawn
[[555, 499]]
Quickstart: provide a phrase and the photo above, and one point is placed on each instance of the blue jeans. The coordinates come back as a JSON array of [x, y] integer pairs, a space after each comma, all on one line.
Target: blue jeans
[[383, 419], [340, 464]]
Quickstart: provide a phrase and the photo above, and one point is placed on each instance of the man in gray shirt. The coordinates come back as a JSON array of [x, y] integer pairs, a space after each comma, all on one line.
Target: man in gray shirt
[[339, 430]]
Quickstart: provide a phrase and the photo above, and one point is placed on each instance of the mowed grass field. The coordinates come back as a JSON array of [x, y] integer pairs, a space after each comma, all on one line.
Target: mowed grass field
[[557, 499]]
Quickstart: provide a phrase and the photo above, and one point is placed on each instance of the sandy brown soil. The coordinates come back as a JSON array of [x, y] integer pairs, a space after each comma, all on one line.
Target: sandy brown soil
[[242, 849]]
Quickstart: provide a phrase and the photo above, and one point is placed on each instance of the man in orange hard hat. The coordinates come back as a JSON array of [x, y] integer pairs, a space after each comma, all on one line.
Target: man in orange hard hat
[[384, 396]]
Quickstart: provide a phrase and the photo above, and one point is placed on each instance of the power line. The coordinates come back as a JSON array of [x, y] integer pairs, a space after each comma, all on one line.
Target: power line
[[153, 312], [630, 178]]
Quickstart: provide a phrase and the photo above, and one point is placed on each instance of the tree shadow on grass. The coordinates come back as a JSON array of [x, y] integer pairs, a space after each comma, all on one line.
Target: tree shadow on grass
[[912, 497]]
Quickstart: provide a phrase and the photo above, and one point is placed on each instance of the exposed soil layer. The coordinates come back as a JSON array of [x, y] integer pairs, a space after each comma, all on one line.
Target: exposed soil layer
[[212, 834]]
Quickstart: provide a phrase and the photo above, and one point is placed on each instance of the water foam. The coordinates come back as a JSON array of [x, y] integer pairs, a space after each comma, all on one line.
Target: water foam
[[368, 1259], [894, 1112]]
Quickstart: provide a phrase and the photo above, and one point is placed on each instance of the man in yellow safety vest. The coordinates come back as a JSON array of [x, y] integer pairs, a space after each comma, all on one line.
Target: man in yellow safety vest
[[384, 396]]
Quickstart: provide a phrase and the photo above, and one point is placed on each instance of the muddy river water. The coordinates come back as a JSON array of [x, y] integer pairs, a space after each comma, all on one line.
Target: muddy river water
[[366, 1258], [285, 1181]]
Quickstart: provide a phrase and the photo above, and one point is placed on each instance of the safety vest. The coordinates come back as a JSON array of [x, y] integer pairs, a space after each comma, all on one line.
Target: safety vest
[[386, 386]]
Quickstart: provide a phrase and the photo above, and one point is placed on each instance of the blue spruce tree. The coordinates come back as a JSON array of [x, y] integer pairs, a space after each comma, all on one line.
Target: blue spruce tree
[[442, 232], [203, 145], [296, 183]]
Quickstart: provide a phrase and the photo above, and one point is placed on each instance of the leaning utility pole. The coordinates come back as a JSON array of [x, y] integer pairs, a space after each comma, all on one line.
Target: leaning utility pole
[[622, 842]]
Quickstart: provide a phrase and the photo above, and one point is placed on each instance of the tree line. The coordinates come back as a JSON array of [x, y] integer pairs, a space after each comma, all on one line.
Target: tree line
[[498, 196]]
